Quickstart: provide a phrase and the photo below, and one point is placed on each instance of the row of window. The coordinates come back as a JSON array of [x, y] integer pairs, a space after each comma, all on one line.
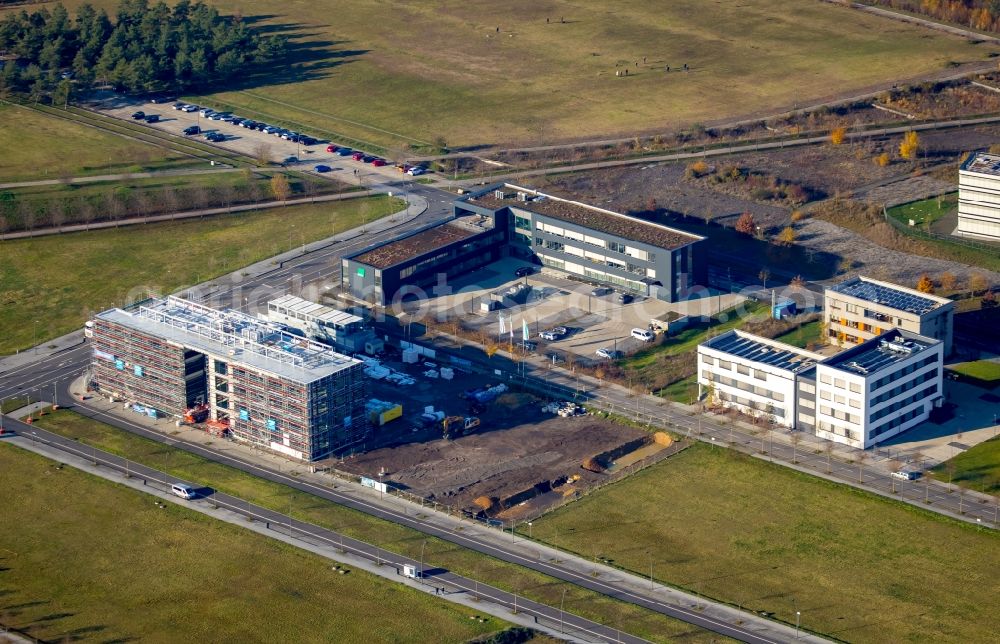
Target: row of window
[[893, 423], [839, 414], [840, 383], [767, 408], [910, 368], [906, 386], [740, 368], [850, 434], [743, 386], [613, 246], [826, 394], [926, 392], [560, 247]]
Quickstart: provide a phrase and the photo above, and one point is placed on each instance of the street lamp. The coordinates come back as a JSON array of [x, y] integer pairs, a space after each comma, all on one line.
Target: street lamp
[[421, 575], [798, 614]]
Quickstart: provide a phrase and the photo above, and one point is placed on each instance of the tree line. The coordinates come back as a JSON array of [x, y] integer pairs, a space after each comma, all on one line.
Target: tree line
[[983, 15], [144, 48]]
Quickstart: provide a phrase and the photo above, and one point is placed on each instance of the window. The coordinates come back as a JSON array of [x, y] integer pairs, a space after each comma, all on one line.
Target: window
[[855, 388], [522, 222], [825, 395], [823, 409], [759, 375], [854, 403], [725, 364], [808, 404], [616, 247], [839, 383], [840, 400], [826, 379], [807, 387], [743, 370]]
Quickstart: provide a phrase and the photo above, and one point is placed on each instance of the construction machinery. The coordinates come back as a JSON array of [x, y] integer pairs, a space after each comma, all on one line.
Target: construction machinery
[[455, 426]]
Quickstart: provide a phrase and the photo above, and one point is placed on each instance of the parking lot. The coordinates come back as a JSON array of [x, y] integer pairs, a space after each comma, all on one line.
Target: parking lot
[[250, 142], [592, 322]]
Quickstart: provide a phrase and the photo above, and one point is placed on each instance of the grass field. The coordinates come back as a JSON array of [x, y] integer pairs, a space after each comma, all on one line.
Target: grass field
[[39, 147], [391, 536], [858, 567], [977, 468], [87, 559], [803, 335], [410, 72], [926, 211], [986, 371], [49, 285]]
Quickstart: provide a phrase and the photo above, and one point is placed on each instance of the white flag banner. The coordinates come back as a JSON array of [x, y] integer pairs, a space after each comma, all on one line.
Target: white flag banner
[[525, 334], [503, 325]]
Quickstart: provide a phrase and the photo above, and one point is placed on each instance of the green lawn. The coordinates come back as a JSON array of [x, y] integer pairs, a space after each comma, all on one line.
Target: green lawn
[[986, 371], [409, 72], [50, 285], [87, 559], [37, 147], [926, 211], [803, 335], [977, 468], [858, 567], [391, 536], [12, 404], [683, 391]]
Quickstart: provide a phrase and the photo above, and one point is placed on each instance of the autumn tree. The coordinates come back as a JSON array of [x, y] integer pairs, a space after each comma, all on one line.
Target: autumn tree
[[798, 281], [787, 236], [978, 282], [909, 145], [797, 215], [746, 224], [280, 188], [837, 135], [697, 169], [925, 284], [947, 280], [882, 160], [764, 275]]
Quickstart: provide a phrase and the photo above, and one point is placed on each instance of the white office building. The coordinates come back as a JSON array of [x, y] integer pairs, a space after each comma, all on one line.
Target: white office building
[[861, 396], [874, 391], [752, 374], [979, 197]]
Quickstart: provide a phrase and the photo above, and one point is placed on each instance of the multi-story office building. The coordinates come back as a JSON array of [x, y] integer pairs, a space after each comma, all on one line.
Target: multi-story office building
[[342, 330], [753, 374], [979, 197], [860, 309], [874, 391], [273, 389], [860, 396], [597, 245], [419, 262]]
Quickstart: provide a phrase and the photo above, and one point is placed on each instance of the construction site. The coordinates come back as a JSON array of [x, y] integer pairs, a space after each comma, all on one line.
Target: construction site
[[468, 441]]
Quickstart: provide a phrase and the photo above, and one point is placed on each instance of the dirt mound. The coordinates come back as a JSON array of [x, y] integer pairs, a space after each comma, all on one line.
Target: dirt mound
[[662, 438]]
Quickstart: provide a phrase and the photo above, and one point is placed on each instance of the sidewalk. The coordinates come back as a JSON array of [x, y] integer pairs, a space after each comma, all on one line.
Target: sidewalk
[[619, 583]]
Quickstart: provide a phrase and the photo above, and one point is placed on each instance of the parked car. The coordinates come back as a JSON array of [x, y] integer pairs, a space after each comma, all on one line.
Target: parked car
[[554, 333], [357, 156], [367, 158], [215, 137], [152, 118], [529, 345], [523, 271], [190, 108], [270, 129], [161, 99], [378, 163], [323, 168], [331, 148], [416, 171], [601, 291], [307, 140], [248, 124], [291, 160], [609, 354], [906, 475], [206, 111], [139, 115], [220, 116], [643, 334], [178, 106], [237, 120], [344, 152], [626, 298], [193, 129], [261, 126]]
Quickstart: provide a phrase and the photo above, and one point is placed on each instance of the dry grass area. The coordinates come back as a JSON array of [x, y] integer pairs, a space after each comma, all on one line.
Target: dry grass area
[[523, 71]]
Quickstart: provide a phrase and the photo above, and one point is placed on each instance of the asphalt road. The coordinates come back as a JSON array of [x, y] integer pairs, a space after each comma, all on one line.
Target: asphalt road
[[566, 622]]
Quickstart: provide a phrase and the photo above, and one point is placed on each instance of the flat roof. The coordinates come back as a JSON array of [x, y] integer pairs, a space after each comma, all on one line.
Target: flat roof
[[244, 339], [891, 295], [598, 219], [424, 241], [763, 350], [982, 163], [315, 311], [880, 353]]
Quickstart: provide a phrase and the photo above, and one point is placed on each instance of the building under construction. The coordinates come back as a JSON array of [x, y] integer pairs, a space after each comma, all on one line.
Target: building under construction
[[268, 387]]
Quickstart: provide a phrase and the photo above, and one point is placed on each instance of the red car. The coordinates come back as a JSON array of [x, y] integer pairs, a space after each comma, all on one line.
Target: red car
[[378, 163], [331, 148], [357, 156]]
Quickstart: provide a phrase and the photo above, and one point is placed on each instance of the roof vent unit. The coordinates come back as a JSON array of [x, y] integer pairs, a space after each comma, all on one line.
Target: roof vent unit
[[500, 194], [856, 366], [522, 196], [898, 345]]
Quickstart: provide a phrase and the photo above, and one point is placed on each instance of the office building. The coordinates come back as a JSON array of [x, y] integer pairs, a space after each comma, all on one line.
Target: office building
[[753, 374], [861, 396], [596, 245], [979, 197], [874, 391], [339, 329], [272, 389], [860, 309]]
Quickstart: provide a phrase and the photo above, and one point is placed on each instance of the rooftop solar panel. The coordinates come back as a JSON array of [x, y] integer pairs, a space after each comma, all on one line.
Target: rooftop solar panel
[[879, 294], [749, 349]]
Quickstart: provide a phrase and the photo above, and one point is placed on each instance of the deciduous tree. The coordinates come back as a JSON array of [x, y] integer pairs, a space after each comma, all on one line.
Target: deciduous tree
[[925, 284], [746, 224], [280, 188], [947, 280], [837, 135], [787, 236], [909, 146], [978, 283]]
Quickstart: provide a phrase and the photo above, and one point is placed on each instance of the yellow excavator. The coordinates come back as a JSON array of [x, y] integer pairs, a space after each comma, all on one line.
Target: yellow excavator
[[455, 426]]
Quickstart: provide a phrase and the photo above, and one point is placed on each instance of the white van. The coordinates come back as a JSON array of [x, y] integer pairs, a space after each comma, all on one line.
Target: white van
[[643, 334], [186, 492]]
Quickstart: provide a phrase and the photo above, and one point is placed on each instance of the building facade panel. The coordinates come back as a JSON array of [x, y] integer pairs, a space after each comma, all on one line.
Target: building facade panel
[[979, 197]]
